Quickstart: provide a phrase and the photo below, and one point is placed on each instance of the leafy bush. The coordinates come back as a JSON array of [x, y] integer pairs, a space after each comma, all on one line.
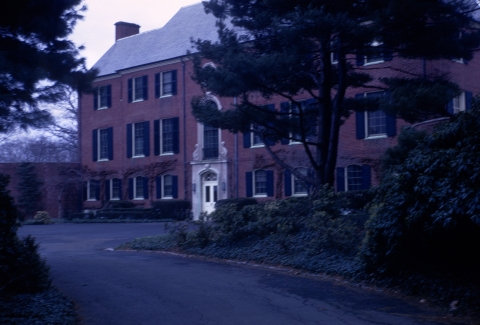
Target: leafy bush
[[42, 218], [21, 268], [172, 209], [119, 204], [426, 214], [238, 202], [124, 214]]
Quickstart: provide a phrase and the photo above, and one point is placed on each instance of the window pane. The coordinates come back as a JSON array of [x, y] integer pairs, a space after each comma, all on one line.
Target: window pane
[[167, 83], [377, 123], [139, 188], [260, 182], [354, 178], [103, 96], [138, 139], [167, 135], [103, 145], [138, 88], [210, 142], [167, 186], [115, 193]]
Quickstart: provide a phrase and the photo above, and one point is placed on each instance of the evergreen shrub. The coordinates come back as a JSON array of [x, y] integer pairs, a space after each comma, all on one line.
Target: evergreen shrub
[[172, 209]]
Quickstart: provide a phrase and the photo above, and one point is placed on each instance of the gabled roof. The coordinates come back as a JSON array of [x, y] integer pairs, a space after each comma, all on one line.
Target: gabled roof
[[170, 41]]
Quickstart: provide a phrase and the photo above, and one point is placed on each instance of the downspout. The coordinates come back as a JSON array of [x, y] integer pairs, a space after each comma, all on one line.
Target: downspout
[[184, 132], [235, 137]]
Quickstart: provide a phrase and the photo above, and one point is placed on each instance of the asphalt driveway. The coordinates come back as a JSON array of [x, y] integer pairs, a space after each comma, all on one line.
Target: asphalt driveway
[[115, 287]]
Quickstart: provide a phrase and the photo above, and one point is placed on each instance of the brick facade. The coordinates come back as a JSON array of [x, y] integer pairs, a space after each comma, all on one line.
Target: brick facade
[[195, 177]]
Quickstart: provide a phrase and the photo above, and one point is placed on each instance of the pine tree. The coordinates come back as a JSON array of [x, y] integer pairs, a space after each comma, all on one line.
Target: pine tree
[[37, 60], [284, 48], [30, 189]]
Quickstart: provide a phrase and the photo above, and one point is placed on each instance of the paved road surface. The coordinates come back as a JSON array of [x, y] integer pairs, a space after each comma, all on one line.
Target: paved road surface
[[116, 288]]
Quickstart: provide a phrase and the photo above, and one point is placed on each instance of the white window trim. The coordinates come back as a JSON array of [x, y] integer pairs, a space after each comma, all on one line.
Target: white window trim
[[252, 139], [295, 179], [254, 176], [162, 95], [135, 197], [461, 103], [163, 196], [162, 153], [133, 142], [134, 99], [89, 194], [365, 58], [367, 135], [111, 191], [345, 171], [99, 145], [99, 99]]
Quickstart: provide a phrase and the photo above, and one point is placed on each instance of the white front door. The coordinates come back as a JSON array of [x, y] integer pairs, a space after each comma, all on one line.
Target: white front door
[[209, 192]]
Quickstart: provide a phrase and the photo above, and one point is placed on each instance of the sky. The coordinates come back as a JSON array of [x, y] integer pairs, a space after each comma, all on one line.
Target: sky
[[97, 31]]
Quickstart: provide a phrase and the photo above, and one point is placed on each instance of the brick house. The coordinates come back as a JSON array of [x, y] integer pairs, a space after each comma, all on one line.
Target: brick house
[[140, 142]]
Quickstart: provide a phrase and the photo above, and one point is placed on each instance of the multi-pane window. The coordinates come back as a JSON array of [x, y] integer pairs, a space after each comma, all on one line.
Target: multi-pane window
[[299, 187], [375, 121], [376, 53], [256, 135], [166, 83], [210, 142], [138, 139], [137, 89], [93, 190], [167, 186], [138, 188], [102, 97], [103, 144], [260, 182], [115, 189], [167, 136], [353, 177]]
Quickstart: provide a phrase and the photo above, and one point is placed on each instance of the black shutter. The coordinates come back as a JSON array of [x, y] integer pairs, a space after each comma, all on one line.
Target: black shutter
[[360, 125], [146, 138], [145, 188], [176, 135], [129, 140], [174, 82], [468, 100], [360, 59], [450, 107], [130, 90], [95, 145], [360, 120], [107, 190], [120, 193], [130, 188], [287, 180], [158, 181], [95, 98], [391, 125], [175, 186], [157, 85], [366, 177], [249, 184], [156, 137], [285, 110], [247, 139], [340, 178], [109, 96], [145, 87], [110, 143], [269, 182]]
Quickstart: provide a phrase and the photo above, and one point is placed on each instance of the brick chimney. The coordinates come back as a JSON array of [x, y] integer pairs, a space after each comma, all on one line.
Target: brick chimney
[[123, 29]]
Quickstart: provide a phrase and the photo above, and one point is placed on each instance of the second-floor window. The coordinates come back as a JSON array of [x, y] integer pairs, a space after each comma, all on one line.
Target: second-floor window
[[210, 142], [166, 136], [102, 144], [371, 124], [102, 97], [166, 83], [137, 89], [138, 139]]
